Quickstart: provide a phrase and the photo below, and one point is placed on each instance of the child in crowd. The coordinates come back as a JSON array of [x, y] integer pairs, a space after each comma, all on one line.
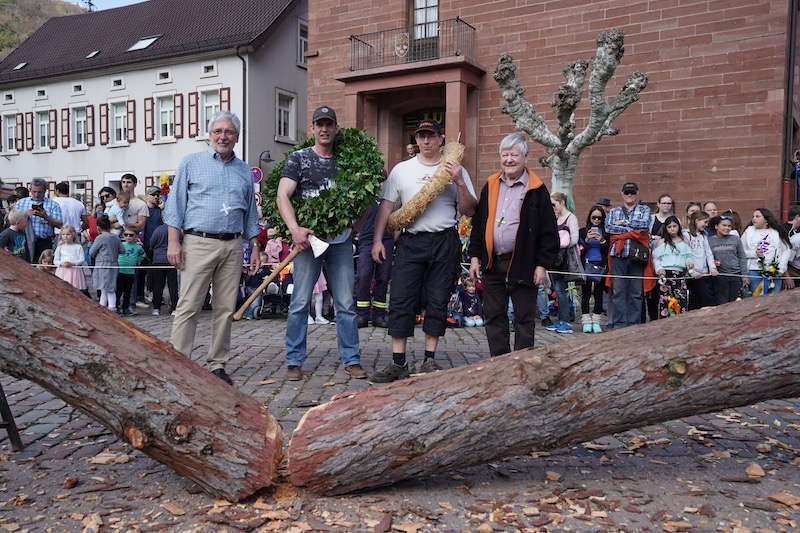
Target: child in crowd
[[69, 257], [672, 258], [105, 252], [274, 247], [46, 259], [729, 259], [316, 298], [471, 305], [117, 211], [130, 255], [700, 287], [766, 245], [13, 237]]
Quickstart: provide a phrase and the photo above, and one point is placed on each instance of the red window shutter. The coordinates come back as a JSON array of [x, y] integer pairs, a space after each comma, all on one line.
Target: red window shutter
[[179, 116], [29, 131], [52, 115], [148, 119], [19, 142], [89, 125], [104, 124], [193, 114], [131, 121], [225, 99], [64, 127]]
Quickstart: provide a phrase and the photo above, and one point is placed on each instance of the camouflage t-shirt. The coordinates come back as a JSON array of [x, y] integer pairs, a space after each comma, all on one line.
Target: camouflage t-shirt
[[313, 174]]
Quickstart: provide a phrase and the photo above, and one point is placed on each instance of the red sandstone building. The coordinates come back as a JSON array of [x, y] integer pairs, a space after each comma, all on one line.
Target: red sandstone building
[[709, 126]]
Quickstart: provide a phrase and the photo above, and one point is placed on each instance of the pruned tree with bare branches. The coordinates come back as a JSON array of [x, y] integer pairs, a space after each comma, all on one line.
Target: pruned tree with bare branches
[[565, 146]]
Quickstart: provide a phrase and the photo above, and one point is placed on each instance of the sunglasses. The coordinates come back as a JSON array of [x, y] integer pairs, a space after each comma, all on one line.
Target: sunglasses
[[129, 234], [629, 193], [598, 217], [105, 195]]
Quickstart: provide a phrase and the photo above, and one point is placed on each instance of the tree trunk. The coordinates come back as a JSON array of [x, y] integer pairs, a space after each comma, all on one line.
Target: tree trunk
[[540, 399], [161, 402], [563, 176]]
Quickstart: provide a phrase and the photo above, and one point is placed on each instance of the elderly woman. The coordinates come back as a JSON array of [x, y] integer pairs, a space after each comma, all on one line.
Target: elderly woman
[[514, 242]]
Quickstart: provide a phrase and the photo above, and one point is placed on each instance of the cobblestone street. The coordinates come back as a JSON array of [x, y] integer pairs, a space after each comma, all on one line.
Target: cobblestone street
[[738, 470]]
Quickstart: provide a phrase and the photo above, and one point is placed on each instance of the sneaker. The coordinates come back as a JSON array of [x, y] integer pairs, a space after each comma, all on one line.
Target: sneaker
[[587, 328], [310, 321], [391, 373], [221, 374], [321, 320], [355, 371], [548, 324], [172, 313], [293, 373], [563, 327], [429, 365], [156, 312], [596, 328], [142, 304]]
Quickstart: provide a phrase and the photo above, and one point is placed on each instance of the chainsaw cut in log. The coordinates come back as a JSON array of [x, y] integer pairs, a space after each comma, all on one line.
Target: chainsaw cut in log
[[401, 218], [163, 403], [546, 398]]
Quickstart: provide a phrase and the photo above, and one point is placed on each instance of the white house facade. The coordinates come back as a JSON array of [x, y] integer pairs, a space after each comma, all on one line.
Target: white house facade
[[141, 113]]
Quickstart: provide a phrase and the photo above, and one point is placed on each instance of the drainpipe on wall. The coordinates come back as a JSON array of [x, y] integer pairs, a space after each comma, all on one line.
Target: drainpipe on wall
[[249, 49], [788, 107]]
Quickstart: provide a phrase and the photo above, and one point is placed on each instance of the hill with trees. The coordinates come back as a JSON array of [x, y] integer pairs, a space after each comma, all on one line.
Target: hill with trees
[[20, 18]]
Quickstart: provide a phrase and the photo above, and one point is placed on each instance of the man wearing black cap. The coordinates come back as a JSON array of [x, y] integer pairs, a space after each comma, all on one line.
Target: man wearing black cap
[[428, 252], [307, 172], [628, 226]]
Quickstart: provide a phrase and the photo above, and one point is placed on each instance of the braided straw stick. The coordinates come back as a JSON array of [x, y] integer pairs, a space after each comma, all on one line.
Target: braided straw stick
[[453, 151]]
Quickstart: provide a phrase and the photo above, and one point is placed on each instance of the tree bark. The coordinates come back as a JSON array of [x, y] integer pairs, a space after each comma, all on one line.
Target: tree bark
[[546, 398], [161, 402]]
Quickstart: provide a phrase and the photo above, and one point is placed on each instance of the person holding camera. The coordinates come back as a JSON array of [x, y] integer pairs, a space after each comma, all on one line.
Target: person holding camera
[[44, 213]]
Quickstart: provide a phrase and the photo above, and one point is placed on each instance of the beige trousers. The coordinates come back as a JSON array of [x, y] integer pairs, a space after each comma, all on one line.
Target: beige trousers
[[207, 261]]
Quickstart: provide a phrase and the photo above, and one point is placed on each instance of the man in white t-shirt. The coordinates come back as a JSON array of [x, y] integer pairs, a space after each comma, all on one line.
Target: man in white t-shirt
[[73, 212], [428, 252], [137, 213]]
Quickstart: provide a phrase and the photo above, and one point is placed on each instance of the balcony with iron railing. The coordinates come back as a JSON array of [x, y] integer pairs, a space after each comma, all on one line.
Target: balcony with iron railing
[[411, 44]]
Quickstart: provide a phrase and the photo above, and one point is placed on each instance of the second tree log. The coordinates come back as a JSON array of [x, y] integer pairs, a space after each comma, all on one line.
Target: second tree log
[[546, 398]]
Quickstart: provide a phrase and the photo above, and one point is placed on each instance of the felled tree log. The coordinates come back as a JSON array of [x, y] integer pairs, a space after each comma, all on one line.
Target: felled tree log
[[546, 398], [161, 402]]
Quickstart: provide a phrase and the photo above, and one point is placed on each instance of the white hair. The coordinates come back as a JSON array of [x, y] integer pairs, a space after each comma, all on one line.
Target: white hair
[[514, 139], [226, 115]]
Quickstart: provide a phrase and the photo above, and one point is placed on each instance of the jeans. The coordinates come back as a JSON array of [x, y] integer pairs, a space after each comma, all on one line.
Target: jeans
[[541, 303], [726, 288], [756, 278], [338, 259], [626, 294], [564, 301], [251, 309]]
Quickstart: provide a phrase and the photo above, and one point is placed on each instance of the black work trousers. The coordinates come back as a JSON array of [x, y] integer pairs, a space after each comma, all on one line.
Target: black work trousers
[[425, 264], [496, 292], [159, 277]]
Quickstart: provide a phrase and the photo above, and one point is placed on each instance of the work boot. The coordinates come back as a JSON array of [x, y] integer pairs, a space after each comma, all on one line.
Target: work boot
[[391, 373], [293, 373], [355, 371], [380, 321], [429, 365], [362, 322]]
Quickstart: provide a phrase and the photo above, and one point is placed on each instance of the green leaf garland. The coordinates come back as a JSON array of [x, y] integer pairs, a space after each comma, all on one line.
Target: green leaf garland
[[336, 209]]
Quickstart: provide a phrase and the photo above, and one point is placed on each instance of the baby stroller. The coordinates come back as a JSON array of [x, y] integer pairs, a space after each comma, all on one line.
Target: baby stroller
[[275, 298]]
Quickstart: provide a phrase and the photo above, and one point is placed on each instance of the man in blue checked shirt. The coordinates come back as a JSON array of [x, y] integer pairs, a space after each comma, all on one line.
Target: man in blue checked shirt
[[44, 215], [213, 203], [626, 293]]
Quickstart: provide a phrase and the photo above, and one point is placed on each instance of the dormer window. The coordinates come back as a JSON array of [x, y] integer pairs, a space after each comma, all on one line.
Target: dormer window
[[143, 43], [20, 66], [92, 54]]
